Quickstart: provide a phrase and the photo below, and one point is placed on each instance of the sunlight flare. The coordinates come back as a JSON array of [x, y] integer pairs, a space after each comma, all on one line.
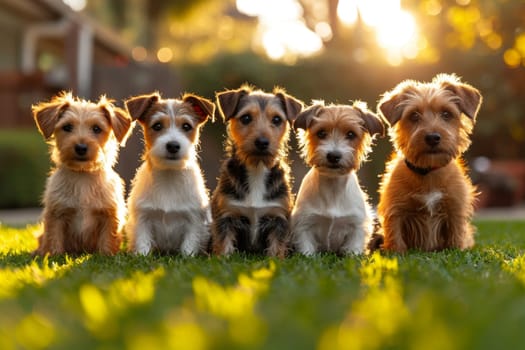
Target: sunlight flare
[[347, 11], [395, 30], [281, 32]]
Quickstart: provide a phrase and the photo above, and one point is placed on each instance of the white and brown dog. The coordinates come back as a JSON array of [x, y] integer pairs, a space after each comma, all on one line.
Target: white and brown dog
[[252, 202], [331, 212], [84, 208], [168, 205]]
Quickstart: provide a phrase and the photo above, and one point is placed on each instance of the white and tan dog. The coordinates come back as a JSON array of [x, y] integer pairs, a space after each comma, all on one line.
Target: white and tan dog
[[168, 205], [331, 213]]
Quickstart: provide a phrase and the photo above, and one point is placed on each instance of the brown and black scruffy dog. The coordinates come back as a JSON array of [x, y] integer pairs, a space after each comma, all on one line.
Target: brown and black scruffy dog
[[426, 198], [84, 206], [252, 202]]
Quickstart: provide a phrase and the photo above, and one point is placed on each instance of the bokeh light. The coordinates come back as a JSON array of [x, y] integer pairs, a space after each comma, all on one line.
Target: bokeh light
[[139, 53], [164, 55], [76, 5], [432, 7], [512, 58], [324, 31]]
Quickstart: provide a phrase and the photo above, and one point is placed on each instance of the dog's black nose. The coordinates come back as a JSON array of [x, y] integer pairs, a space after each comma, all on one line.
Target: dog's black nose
[[81, 149], [172, 147], [333, 157], [262, 143], [433, 139]]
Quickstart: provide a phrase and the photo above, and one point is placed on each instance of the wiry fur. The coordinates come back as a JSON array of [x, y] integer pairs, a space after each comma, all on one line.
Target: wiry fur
[[252, 202], [84, 207], [331, 213], [168, 204], [426, 198]]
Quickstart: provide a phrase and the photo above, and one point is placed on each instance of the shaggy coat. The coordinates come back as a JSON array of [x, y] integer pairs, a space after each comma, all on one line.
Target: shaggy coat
[[426, 198], [331, 213], [168, 204], [84, 207], [252, 202]]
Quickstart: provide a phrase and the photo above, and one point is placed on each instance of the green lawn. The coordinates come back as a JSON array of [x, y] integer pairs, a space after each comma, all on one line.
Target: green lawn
[[447, 300]]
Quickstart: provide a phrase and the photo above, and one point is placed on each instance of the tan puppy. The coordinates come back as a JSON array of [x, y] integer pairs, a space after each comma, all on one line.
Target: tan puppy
[[168, 204], [84, 205], [331, 213], [252, 202], [426, 198]]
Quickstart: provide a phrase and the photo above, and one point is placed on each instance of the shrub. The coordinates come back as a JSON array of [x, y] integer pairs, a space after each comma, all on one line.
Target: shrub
[[24, 164]]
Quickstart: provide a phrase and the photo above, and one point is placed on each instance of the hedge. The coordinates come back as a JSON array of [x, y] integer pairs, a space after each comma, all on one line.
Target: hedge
[[24, 165]]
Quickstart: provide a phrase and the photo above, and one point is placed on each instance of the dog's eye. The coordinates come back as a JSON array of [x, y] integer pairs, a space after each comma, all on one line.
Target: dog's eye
[[157, 126], [96, 129], [351, 135], [187, 127], [277, 120], [446, 115], [321, 134], [67, 128], [414, 117], [246, 119]]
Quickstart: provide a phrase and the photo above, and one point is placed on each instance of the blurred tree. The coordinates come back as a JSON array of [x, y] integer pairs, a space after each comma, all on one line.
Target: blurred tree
[[143, 20], [481, 40], [322, 11]]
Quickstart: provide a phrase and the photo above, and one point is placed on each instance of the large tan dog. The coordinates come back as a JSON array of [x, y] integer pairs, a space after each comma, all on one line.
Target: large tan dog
[[426, 198]]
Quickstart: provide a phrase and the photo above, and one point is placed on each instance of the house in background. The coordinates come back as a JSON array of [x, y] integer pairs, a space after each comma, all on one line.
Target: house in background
[[47, 47]]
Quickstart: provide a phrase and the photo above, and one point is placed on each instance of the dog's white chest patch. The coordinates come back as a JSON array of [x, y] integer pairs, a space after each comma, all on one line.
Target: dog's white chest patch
[[254, 205], [431, 200], [257, 187]]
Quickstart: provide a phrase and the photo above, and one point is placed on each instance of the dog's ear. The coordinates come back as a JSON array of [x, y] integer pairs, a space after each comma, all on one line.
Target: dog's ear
[[47, 114], [204, 108], [304, 119], [121, 124], [119, 119], [227, 102], [469, 98], [138, 106], [373, 123], [292, 106], [389, 107]]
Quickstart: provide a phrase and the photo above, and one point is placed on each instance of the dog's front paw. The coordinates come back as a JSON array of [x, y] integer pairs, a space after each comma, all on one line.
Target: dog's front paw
[[277, 249], [224, 247], [400, 248], [306, 248], [142, 249], [190, 247]]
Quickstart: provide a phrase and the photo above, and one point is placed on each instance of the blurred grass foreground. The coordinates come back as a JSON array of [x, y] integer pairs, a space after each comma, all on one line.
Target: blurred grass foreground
[[448, 300]]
